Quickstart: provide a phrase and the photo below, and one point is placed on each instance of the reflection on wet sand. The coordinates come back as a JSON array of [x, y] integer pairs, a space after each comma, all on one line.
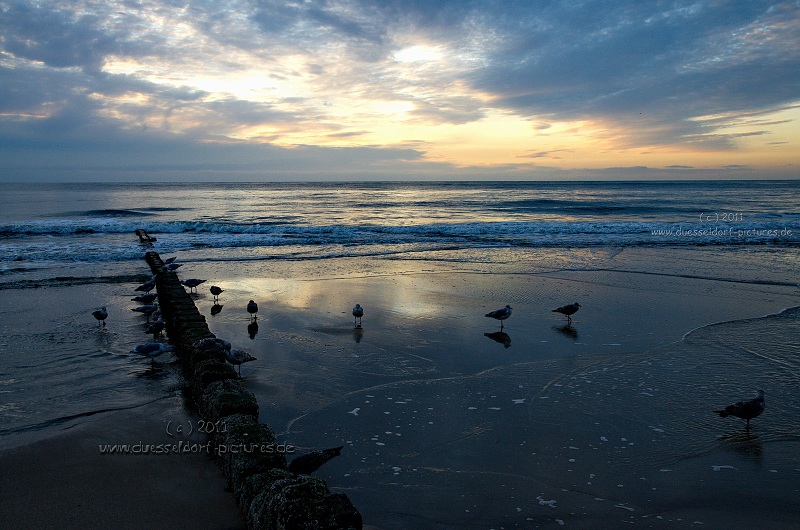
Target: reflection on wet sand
[[501, 337], [154, 371], [567, 330], [252, 329], [745, 444], [216, 309]]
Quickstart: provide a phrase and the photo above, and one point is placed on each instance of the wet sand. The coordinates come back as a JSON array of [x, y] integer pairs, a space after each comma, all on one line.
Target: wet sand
[[446, 422], [449, 424], [66, 481]]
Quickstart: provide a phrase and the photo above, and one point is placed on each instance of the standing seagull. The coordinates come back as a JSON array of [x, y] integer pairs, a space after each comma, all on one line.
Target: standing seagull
[[358, 312], [216, 291], [147, 286], [252, 308], [746, 410], [152, 349], [500, 314], [146, 310], [237, 357], [568, 310], [148, 298], [192, 283], [101, 315], [156, 328]]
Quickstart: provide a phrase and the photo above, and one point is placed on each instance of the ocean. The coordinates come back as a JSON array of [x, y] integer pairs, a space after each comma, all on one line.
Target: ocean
[[43, 226], [689, 294]]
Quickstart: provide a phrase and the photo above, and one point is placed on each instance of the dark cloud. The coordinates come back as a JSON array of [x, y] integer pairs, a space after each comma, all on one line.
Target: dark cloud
[[57, 38], [669, 61]]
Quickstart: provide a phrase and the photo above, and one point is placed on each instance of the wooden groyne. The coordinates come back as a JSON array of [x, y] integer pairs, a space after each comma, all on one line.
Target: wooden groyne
[[269, 496]]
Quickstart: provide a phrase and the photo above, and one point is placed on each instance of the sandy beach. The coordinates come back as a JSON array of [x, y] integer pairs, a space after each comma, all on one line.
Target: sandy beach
[[73, 480], [446, 422]]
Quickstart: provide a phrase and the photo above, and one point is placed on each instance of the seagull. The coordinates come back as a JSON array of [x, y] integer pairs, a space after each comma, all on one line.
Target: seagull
[[148, 285], [171, 260], [152, 349], [192, 283], [147, 310], [501, 337], [252, 308], [101, 315], [156, 328], [214, 346], [358, 312], [148, 298], [500, 314], [310, 462], [171, 267], [237, 357], [216, 291], [568, 310], [746, 410]]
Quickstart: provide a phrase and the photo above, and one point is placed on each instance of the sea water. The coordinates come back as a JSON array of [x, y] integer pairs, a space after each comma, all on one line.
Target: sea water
[[55, 225]]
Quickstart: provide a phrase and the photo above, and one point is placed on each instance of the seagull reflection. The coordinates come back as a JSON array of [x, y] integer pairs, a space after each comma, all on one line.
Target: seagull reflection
[[745, 444], [216, 308], [358, 334], [567, 330], [154, 371], [252, 329], [501, 337]]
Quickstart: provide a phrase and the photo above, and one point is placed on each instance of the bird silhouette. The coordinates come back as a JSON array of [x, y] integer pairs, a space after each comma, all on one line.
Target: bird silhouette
[[152, 349], [500, 314], [148, 298], [237, 357], [568, 310], [101, 315], [358, 312], [747, 410], [146, 310], [147, 286], [252, 308], [216, 291], [156, 327], [192, 283]]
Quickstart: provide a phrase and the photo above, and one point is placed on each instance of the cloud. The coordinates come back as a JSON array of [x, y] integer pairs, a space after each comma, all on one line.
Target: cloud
[[637, 61], [243, 84], [57, 38]]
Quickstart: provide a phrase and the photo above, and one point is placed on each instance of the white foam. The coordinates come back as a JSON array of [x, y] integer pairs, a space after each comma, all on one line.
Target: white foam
[[543, 502]]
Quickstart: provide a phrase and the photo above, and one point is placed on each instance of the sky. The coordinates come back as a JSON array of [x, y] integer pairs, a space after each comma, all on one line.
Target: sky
[[261, 90]]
